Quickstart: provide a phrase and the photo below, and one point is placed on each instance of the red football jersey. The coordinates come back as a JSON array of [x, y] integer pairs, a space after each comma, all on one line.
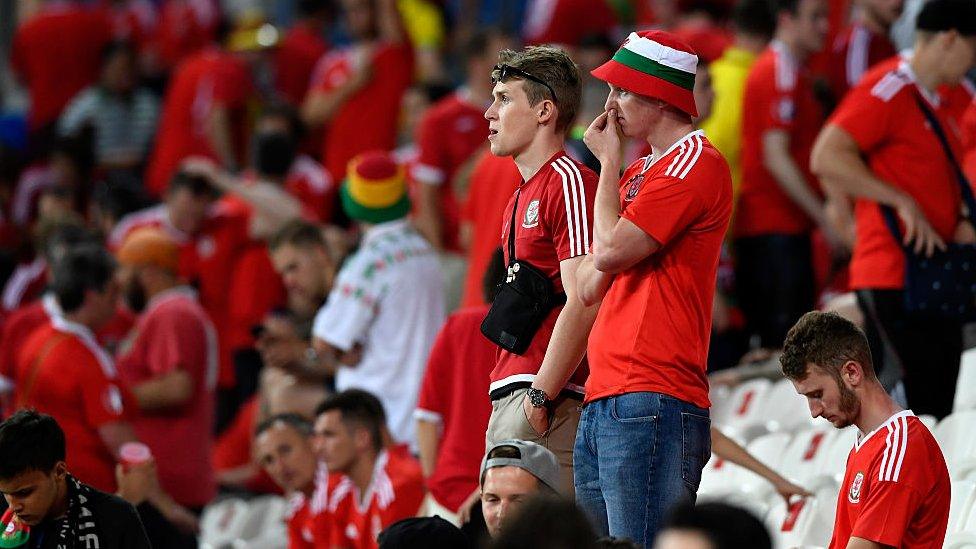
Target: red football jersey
[[395, 492], [67, 375], [185, 27], [368, 119], [554, 222], [308, 182], [778, 96], [208, 80], [896, 489], [856, 49], [453, 395], [883, 118], [566, 21], [449, 133], [295, 59], [174, 333], [652, 331]]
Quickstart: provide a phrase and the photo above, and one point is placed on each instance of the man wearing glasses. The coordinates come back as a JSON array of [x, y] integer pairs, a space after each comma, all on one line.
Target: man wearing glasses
[[644, 434], [536, 393]]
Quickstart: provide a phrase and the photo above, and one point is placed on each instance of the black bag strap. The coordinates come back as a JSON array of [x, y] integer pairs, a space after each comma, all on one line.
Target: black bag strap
[[967, 192], [511, 228]]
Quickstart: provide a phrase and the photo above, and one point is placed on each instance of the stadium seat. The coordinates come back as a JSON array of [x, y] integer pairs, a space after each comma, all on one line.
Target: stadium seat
[[963, 492], [834, 464], [954, 434], [265, 518], [724, 480], [806, 522], [803, 460], [719, 395], [966, 383], [222, 523], [961, 533], [929, 421], [744, 420], [783, 409]]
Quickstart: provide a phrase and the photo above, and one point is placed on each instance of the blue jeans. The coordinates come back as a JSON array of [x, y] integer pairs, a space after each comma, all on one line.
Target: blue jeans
[[636, 456]]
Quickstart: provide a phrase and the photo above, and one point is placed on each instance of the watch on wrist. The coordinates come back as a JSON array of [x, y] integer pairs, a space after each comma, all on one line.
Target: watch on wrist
[[538, 398]]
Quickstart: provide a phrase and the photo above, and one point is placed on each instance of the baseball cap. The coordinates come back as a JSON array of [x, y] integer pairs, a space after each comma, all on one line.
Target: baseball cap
[[149, 246], [655, 64], [944, 15], [422, 532], [529, 456]]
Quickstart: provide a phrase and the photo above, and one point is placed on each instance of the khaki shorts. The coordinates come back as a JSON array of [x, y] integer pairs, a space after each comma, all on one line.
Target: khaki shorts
[[508, 422]]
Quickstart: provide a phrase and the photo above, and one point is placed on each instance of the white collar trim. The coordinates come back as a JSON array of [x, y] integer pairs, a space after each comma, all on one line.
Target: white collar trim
[[862, 438]]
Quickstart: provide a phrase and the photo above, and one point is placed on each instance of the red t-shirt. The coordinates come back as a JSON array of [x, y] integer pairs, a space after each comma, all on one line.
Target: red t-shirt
[[25, 284], [396, 492], [295, 59], [133, 20], [300, 535], [207, 260], [493, 180], [41, 47], [856, 49], [75, 382], [368, 119], [309, 519], [185, 27], [554, 222], [453, 394], [896, 489], [172, 334], [206, 80], [566, 21], [652, 331], [449, 133], [308, 182], [969, 129], [778, 96], [882, 117]]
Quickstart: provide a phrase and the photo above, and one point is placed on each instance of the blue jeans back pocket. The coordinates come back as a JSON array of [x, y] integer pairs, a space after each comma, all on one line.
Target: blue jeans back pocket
[[696, 447], [636, 407]]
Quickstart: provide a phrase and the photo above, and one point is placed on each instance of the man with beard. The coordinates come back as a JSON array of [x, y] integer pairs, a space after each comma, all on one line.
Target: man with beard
[[169, 362], [896, 489]]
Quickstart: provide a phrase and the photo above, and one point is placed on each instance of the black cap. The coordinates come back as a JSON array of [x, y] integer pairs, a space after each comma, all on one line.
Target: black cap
[[944, 15], [423, 532]]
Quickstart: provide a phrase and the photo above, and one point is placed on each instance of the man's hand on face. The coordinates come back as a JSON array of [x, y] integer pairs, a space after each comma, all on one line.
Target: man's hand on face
[[603, 140]]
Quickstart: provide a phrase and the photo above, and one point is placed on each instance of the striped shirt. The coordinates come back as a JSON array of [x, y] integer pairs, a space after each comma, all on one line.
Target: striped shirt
[[124, 126]]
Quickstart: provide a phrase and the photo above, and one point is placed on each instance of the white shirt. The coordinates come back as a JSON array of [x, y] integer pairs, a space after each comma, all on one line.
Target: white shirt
[[389, 298]]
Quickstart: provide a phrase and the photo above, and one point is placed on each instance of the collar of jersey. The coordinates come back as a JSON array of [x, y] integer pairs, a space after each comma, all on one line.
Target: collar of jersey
[[380, 229], [650, 160], [166, 295], [905, 68], [861, 440]]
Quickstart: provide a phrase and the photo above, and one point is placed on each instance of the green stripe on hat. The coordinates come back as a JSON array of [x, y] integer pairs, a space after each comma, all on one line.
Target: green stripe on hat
[[360, 212], [640, 63]]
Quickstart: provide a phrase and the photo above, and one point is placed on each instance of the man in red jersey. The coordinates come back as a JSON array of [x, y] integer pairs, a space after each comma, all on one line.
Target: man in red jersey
[[879, 149], [300, 50], [547, 223], [169, 363], [355, 92], [378, 484], [658, 232], [283, 448], [863, 43], [896, 489], [450, 132], [779, 203]]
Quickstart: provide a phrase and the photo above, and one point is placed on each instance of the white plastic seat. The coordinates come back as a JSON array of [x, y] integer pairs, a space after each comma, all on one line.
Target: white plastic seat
[[717, 478], [807, 522], [803, 460], [954, 434], [222, 523], [966, 382], [265, 515], [961, 533], [744, 419], [929, 421], [833, 464], [720, 396], [784, 409]]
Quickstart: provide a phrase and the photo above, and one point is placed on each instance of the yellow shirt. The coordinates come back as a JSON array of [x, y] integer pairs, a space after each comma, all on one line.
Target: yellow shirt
[[724, 125], [423, 23]]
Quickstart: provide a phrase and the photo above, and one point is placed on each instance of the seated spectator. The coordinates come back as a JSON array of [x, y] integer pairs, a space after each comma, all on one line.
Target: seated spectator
[[421, 533], [712, 526], [170, 365], [452, 411], [511, 472], [122, 114], [283, 448], [546, 523], [47, 503], [378, 484], [394, 273]]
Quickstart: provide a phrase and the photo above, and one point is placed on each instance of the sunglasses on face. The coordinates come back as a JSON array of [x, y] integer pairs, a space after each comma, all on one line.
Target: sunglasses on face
[[506, 71]]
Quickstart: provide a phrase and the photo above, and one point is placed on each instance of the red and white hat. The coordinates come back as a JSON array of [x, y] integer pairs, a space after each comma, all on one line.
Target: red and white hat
[[655, 64]]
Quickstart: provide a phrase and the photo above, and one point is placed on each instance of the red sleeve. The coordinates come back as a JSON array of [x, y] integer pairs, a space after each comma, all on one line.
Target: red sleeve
[[885, 515], [864, 116], [409, 497], [664, 208], [174, 339], [102, 400], [568, 211], [233, 87], [777, 107], [435, 392]]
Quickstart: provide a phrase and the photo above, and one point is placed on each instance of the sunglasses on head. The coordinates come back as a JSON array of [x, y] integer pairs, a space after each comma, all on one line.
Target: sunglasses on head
[[506, 71]]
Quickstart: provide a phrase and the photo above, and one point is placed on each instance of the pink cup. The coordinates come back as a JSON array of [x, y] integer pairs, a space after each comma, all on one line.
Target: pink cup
[[134, 453]]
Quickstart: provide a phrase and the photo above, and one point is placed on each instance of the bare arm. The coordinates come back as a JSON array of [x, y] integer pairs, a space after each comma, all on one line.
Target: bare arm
[[320, 106], [861, 543], [430, 214], [428, 442], [169, 390], [115, 434], [591, 284], [836, 160], [219, 131], [728, 449], [389, 22], [777, 159]]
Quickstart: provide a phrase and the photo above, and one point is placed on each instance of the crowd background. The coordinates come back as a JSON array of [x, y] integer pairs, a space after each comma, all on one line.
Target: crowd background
[[229, 126]]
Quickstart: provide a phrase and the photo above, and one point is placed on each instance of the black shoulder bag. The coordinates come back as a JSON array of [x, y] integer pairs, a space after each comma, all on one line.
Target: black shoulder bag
[[522, 303], [945, 284]]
